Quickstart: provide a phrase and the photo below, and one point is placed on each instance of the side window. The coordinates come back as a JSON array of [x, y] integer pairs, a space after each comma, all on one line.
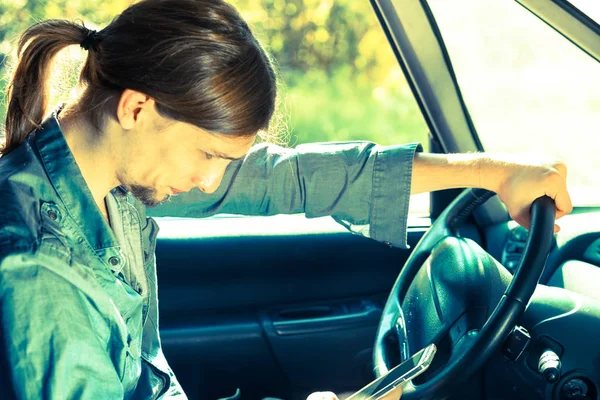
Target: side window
[[340, 78]]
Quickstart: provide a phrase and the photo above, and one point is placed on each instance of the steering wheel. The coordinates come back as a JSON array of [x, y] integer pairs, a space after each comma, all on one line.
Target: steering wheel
[[452, 293]]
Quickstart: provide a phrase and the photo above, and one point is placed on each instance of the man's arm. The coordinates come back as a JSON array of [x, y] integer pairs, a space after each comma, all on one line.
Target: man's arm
[[364, 186], [517, 179], [51, 341]]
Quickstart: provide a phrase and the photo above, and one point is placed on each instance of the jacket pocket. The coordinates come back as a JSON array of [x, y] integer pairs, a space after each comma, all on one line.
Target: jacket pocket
[[51, 234]]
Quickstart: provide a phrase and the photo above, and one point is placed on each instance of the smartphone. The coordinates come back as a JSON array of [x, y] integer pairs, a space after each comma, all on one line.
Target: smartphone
[[403, 373]]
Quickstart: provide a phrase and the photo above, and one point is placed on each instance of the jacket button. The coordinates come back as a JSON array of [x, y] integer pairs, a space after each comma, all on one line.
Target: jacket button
[[114, 261], [52, 214]]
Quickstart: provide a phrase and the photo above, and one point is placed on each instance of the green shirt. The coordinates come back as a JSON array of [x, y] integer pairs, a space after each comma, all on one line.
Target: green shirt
[[78, 296]]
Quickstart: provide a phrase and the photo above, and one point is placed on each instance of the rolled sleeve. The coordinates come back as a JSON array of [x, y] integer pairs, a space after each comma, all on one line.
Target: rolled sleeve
[[392, 178], [363, 186]]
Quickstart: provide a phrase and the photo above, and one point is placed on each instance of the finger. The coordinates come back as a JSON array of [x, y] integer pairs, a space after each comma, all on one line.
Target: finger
[[556, 228], [522, 220], [561, 168], [563, 203], [322, 396], [393, 395]]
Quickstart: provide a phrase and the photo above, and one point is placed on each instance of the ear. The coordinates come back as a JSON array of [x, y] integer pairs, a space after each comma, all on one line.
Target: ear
[[132, 107]]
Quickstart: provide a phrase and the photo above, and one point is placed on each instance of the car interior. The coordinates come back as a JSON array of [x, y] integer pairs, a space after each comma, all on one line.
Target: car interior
[[283, 306]]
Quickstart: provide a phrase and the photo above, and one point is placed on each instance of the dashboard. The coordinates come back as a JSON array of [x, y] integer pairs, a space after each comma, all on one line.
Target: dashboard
[[576, 251], [563, 317]]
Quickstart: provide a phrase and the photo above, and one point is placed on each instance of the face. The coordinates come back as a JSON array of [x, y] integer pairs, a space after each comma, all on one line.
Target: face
[[163, 158]]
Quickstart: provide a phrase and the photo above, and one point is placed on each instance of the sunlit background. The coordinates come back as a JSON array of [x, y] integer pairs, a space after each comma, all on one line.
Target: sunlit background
[[340, 79], [527, 88]]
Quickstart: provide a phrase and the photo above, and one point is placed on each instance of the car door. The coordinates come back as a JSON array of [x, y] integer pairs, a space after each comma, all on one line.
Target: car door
[[273, 310]]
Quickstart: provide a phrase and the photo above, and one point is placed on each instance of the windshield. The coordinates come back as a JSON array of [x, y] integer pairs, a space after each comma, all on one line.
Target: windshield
[[527, 88], [591, 8]]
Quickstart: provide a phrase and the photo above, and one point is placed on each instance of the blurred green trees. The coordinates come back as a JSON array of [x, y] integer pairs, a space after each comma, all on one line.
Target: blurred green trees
[[340, 78]]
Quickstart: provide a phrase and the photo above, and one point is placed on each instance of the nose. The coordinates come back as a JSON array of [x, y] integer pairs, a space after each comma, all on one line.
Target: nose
[[208, 183]]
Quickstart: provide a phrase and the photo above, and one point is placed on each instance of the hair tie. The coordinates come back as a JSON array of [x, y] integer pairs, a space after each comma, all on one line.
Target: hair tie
[[90, 40]]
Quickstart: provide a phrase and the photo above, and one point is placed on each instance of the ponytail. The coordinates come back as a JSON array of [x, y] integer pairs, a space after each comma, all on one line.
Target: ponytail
[[28, 87]]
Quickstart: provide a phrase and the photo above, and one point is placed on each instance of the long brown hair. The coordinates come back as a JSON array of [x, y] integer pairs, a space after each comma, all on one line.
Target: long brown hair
[[198, 60]]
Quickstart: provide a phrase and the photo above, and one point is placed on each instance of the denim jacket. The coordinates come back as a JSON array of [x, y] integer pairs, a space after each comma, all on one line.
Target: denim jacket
[[78, 297]]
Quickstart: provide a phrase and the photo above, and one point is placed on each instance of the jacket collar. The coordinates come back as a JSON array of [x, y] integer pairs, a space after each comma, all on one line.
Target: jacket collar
[[73, 191]]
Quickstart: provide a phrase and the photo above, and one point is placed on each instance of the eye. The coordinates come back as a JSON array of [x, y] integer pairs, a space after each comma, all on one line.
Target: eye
[[206, 155]]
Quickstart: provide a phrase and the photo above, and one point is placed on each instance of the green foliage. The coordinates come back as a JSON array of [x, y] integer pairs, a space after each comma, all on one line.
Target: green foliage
[[340, 108]]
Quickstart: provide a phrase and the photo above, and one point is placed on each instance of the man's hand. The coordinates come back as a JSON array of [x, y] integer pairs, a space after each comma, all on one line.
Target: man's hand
[[517, 179], [393, 395], [526, 182]]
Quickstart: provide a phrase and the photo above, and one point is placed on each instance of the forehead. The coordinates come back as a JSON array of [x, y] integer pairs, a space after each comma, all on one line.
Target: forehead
[[231, 146]]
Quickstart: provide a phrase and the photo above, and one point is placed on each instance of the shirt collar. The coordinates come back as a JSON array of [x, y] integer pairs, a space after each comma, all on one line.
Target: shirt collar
[[67, 180]]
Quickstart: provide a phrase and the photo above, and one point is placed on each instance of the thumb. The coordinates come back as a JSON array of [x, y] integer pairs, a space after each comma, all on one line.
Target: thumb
[[394, 394], [322, 396]]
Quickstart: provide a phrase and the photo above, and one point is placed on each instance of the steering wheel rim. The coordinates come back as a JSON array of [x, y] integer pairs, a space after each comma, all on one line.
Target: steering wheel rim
[[504, 317]]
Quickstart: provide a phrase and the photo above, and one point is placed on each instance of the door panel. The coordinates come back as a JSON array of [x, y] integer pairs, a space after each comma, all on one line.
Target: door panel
[[271, 313], [326, 346]]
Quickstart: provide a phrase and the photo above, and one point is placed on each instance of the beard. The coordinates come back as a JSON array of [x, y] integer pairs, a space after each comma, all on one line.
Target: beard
[[147, 195]]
